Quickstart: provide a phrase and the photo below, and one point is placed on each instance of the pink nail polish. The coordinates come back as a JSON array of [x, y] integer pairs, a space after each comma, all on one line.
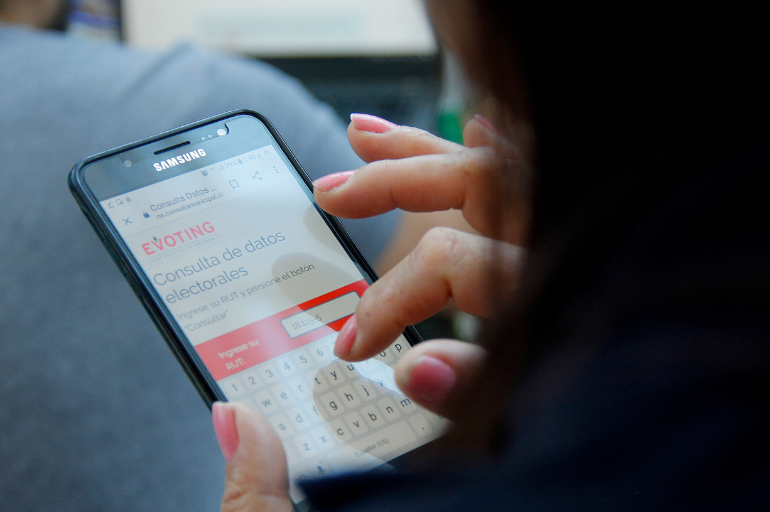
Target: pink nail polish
[[486, 123], [330, 181], [346, 338], [223, 416], [374, 124], [430, 379]]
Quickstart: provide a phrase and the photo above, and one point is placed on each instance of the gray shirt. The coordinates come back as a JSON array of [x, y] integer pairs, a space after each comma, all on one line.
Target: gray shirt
[[95, 413]]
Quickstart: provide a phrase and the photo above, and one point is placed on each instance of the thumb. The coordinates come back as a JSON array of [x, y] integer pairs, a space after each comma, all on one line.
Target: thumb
[[256, 478]]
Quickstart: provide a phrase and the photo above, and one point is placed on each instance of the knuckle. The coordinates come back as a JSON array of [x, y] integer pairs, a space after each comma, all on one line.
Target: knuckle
[[411, 131], [478, 162], [439, 248], [422, 137], [385, 310], [382, 167], [486, 174], [235, 497], [421, 141]]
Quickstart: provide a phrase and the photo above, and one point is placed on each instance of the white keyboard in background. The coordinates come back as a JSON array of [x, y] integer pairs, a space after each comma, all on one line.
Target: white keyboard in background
[[334, 416]]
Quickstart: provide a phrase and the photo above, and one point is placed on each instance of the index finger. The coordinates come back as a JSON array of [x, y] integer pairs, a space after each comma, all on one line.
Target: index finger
[[373, 139], [446, 265], [471, 180]]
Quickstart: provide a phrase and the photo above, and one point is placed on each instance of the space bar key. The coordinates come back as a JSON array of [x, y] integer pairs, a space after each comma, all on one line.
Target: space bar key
[[374, 446]]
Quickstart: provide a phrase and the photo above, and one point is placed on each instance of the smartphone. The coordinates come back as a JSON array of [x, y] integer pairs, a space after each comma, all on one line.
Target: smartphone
[[215, 227]]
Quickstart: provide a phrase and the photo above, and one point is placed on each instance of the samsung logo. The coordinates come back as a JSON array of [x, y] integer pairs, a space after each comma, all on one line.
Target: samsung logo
[[173, 162]]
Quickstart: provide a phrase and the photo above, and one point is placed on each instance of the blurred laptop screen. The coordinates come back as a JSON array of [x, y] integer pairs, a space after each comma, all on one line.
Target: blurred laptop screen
[[283, 28]]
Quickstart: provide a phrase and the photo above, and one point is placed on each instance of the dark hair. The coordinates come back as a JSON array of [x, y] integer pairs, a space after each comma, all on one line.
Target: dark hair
[[614, 94]]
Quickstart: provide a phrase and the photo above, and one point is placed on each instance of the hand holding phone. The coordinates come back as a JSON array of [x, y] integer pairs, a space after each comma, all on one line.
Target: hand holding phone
[[435, 374], [215, 227]]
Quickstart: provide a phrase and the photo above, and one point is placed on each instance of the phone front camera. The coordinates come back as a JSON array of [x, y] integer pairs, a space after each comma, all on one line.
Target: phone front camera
[[221, 132]]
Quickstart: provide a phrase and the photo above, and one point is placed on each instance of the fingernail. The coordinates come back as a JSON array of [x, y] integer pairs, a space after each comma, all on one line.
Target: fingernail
[[326, 183], [430, 379], [225, 429], [369, 123], [486, 123], [346, 338]]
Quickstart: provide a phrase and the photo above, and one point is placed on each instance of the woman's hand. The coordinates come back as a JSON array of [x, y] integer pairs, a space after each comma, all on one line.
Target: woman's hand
[[418, 172], [255, 477], [415, 171]]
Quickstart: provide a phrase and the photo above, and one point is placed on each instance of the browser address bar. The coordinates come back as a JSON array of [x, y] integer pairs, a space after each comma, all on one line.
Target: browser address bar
[[194, 191]]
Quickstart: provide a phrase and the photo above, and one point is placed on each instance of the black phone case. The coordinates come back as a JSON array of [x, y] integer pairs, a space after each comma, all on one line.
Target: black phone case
[[140, 284]]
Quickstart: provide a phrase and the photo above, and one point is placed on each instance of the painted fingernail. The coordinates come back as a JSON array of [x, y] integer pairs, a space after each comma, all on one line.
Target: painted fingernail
[[486, 123], [369, 123], [326, 183], [346, 338], [223, 416], [430, 379]]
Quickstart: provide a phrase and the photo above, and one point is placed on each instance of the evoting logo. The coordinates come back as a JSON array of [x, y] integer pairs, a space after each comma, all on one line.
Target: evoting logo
[[177, 238], [173, 162]]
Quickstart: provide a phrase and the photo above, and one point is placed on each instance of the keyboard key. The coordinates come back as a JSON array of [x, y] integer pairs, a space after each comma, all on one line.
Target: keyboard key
[[331, 405], [385, 356], [400, 347], [351, 369], [334, 373], [378, 444], [348, 396], [268, 373], [320, 384], [301, 388], [252, 380], [323, 437], [340, 430], [282, 426], [389, 408], [300, 419], [285, 366], [406, 405], [283, 394], [321, 469], [420, 424], [322, 353], [305, 446], [374, 418], [303, 359], [266, 404], [233, 388], [356, 424], [366, 389], [313, 413]]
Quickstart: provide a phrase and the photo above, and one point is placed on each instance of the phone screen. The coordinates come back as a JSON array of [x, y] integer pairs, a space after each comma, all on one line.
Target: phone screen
[[226, 233]]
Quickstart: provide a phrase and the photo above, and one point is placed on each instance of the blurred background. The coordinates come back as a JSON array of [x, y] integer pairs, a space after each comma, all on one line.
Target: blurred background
[[378, 57]]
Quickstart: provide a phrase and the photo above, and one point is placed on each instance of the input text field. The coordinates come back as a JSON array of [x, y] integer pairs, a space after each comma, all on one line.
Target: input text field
[[318, 316]]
